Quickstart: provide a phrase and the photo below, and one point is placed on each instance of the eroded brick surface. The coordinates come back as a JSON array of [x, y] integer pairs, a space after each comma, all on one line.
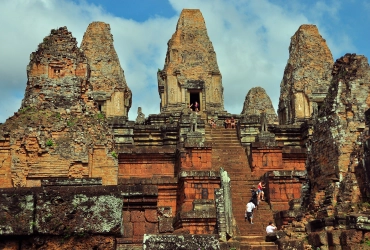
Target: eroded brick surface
[[257, 102], [306, 76]]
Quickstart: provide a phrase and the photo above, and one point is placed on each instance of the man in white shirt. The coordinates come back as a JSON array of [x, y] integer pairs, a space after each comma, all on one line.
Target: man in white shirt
[[249, 211], [270, 228]]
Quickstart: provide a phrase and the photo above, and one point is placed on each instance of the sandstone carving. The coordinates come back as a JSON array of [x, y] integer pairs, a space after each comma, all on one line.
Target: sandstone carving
[[190, 72], [306, 76], [108, 84], [140, 119], [258, 102]]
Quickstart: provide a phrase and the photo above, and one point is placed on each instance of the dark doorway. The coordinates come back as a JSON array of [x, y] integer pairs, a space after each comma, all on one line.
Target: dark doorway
[[194, 97]]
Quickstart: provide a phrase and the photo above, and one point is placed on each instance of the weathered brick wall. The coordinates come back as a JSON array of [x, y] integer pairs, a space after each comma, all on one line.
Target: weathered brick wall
[[196, 187], [42, 144], [58, 130], [336, 149], [109, 87], [294, 158], [196, 159], [306, 76], [146, 165], [56, 68], [257, 102], [136, 223], [282, 187]]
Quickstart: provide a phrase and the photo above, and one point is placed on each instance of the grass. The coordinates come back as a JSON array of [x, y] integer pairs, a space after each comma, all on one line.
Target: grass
[[49, 143], [70, 123], [100, 116]]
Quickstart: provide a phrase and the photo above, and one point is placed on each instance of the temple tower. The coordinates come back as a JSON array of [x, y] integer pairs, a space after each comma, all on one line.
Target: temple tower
[[257, 102], [57, 75], [109, 88], [190, 72], [306, 78]]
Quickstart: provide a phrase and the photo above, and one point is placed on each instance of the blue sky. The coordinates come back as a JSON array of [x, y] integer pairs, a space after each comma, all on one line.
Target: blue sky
[[251, 39]]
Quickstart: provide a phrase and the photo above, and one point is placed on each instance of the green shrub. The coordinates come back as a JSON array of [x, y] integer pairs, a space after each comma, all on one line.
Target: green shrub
[[70, 123], [100, 116], [25, 109], [49, 143], [114, 154]]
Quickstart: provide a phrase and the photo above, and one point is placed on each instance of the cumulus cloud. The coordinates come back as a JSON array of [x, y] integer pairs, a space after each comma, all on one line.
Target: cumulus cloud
[[251, 40]]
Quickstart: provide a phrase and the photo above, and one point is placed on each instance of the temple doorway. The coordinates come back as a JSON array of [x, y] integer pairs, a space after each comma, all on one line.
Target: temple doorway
[[194, 97]]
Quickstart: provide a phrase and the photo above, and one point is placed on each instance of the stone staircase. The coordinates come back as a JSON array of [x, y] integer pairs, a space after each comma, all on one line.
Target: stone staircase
[[228, 153]]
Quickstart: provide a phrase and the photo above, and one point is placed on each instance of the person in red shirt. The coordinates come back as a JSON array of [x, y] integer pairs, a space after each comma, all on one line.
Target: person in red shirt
[[261, 194]]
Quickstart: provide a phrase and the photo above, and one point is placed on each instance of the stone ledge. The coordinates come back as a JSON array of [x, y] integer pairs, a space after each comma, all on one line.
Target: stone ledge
[[287, 173], [139, 190], [71, 182], [189, 174], [147, 181], [177, 242]]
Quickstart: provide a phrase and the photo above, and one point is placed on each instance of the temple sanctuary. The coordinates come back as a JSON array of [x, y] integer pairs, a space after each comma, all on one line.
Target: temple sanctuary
[[76, 173]]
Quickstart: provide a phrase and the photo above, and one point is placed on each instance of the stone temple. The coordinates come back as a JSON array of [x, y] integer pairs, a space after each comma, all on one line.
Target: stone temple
[[76, 173]]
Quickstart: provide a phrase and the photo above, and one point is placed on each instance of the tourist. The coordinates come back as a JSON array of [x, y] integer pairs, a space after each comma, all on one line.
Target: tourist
[[212, 123], [232, 123], [254, 197], [196, 106], [261, 193], [227, 123], [270, 228], [249, 211]]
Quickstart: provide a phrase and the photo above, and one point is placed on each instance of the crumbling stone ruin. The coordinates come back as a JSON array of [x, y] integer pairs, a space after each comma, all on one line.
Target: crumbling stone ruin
[[306, 76], [76, 173], [257, 102], [109, 89]]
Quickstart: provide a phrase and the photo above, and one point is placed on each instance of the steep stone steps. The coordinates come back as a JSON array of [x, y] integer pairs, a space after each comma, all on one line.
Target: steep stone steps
[[228, 153]]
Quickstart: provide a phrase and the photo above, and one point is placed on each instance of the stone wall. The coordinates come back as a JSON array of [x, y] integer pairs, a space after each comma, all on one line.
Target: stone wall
[[38, 144], [62, 210], [336, 151], [147, 163]]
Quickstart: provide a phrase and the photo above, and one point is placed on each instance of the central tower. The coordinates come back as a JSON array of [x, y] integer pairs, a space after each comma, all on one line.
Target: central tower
[[190, 72]]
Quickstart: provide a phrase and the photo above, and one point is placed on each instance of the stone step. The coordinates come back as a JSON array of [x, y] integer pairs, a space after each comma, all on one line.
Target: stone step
[[224, 141], [258, 246], [228, 153], [221, 137]]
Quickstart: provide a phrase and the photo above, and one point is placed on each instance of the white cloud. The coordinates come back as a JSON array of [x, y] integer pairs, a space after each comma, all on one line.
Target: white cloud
[[251, 40]]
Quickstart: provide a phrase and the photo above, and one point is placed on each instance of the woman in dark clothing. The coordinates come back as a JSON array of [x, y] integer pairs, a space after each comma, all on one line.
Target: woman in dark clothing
[[196, 106], [254, 198]]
